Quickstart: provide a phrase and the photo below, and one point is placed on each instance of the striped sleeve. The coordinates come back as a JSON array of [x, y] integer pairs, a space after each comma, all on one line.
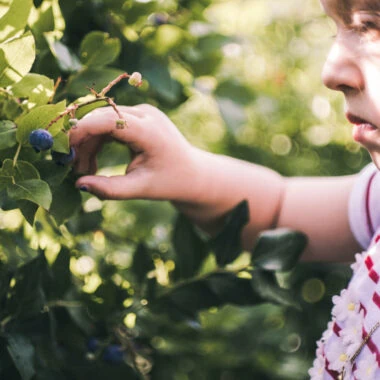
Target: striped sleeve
[[364, 205]]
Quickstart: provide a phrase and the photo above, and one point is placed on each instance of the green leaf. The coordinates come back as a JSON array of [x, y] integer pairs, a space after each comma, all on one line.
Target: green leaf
[[227, 244], [278, 250], [38, 89], [231, 289], [85, 222], [185, 301], [5, 279], [39, 117], [16, 58], [61, 143], [67, 61], [190, 249], [238, 92], [27, 297], [52, 173], [164, 39], [160, 81], [34, 190], [142, 262], [15, 19], [91, 77], [28, 210], [214, 290], [82, 111], [98, 49], [5, 181], [21, 351], [79, 315], [266, 285], [7, 134], [23, 170], [61, 273], [66, 201], [10, 107], [46, 18]]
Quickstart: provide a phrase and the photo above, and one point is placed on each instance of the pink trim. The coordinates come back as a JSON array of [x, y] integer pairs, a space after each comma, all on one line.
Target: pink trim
[[376, 299], [336, 329], [372, 346], [368, 215], [362, 307], [332, 373], [368, 262], [374, 276]]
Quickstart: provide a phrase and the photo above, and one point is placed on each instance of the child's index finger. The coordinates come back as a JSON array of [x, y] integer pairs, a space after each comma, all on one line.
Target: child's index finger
[[103, 121]]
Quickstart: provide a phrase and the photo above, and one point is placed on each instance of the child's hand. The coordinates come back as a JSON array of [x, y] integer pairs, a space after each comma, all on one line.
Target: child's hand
[[163, 163]]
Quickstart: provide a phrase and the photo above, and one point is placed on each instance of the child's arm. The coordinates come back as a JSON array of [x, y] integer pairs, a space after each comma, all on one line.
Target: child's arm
[[204, 186]]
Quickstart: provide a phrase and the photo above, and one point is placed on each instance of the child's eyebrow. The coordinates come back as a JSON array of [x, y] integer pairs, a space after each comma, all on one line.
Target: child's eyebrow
[[364, 5], [345, 9]]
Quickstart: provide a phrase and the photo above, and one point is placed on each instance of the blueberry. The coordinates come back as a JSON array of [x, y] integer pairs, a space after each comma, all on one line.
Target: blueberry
[[113, 354], [160, 19], [92, 344], [41, 139], [63, 158]]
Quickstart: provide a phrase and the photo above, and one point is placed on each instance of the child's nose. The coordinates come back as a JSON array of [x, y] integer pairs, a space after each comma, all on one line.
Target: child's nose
[[341, 71]]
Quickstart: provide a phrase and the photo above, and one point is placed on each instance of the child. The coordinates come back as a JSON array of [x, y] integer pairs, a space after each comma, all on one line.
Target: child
[[340, 215]]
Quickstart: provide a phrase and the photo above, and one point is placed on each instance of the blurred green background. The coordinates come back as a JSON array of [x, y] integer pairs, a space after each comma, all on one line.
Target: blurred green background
[[241, 78]]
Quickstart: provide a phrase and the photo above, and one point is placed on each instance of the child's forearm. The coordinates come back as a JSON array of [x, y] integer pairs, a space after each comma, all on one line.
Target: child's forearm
[[221, 182]]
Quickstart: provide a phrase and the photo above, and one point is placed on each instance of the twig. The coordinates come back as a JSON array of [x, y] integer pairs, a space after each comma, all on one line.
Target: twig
[[112, 83]]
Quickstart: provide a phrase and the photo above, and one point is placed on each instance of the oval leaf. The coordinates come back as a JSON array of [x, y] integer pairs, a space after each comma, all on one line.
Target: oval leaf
[[34, 190], [16, 58], [278, 250], [15, 20], [98, 49]]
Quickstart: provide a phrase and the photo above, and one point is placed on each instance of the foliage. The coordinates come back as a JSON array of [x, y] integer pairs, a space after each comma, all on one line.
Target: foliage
[[160, 299]]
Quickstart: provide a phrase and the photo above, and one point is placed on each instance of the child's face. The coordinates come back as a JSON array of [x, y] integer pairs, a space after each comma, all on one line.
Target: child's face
[[353, 67]]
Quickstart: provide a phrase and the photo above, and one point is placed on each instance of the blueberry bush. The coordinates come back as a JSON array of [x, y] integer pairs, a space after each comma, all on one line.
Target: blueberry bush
[[132, 290]]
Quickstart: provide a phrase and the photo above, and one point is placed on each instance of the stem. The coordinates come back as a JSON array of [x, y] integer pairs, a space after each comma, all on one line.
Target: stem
[[112, 83], [73, 108], [15, 158], [99, 97], [63, 303], [5, 321], [56, 85], [113, 105]]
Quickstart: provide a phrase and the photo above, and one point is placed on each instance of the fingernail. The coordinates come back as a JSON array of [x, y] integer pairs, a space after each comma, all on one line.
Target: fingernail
[[83, 188]]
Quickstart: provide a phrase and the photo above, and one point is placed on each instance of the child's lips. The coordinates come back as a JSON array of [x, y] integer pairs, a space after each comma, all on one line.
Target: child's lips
[[362, 128], [356, 120]]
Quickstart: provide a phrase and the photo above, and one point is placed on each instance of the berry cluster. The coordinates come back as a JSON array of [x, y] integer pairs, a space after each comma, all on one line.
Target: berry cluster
[[41, 140], [112, 353]]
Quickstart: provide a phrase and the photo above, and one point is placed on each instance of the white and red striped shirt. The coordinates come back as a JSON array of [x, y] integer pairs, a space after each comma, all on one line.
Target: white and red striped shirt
[[350, 347]]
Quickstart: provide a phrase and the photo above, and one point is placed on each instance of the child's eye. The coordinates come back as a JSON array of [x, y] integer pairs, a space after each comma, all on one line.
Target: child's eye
[[368, 26]]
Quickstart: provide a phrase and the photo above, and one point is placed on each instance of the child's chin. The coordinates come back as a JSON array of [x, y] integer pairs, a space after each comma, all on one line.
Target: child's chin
[[375, 155]]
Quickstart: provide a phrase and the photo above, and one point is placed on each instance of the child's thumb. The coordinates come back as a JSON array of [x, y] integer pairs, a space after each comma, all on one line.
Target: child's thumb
[[116, 187]]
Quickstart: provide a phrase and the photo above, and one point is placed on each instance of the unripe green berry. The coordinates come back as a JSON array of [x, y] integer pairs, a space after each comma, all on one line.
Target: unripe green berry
[[73, 122], [135, 79], [121, 123]]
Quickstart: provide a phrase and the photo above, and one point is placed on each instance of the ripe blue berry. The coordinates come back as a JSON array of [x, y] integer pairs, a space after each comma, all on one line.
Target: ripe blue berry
[[63, 158], [160, 19], [41, 139], [93, 344], [113, 354]]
